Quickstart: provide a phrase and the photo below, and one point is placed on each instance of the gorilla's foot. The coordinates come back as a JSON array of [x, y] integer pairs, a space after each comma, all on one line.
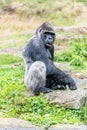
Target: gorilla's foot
[[61, 87], [56, 87], [73, 87], [42, 89], [45, 90]]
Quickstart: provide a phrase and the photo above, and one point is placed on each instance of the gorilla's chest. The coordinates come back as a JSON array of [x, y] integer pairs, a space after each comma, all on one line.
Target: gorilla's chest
[[49, 55]]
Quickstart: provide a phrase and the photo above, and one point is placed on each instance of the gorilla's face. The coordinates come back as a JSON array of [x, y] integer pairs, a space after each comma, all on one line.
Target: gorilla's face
[[48, 38], [46, 33]]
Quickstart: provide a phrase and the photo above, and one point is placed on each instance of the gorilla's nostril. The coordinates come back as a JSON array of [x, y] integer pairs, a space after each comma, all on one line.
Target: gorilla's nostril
[[50, 39]]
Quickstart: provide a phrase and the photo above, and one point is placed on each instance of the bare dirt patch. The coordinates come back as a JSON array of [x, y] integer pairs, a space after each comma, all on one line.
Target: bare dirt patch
[[11, 51], [83, 17]]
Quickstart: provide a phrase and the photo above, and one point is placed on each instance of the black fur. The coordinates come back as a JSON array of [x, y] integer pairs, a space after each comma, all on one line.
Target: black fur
[[41, 48]]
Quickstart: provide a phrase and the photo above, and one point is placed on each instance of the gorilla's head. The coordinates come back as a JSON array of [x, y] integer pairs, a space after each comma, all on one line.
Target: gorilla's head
[[46, 32]]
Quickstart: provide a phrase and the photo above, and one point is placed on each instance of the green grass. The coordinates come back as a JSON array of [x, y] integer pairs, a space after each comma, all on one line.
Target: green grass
[[76, 54], [15, 102], [8, 59], [83, 1]]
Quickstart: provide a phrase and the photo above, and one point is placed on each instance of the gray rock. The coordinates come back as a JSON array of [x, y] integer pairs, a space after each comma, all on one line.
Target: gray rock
[[16, 124], [69, 99], [31, 128], [68, 127], [81, 83]]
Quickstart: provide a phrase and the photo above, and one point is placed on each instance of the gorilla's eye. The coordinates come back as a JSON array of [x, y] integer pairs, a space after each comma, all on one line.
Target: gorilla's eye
[[40, 30], [45, 36]]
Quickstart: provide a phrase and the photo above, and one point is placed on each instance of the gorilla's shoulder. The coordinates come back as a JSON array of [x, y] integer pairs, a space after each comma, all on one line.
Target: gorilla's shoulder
[[34, 39]]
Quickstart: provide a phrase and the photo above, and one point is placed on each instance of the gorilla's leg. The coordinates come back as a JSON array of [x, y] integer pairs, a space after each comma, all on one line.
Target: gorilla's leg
[[63, 81], [36, 78], [52, 83]]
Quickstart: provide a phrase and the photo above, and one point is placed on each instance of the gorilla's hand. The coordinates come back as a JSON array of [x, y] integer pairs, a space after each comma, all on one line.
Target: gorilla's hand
[[67, 80]]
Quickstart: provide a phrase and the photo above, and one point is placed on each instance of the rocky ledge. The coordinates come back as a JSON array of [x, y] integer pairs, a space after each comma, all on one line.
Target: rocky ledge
[[69, 99]]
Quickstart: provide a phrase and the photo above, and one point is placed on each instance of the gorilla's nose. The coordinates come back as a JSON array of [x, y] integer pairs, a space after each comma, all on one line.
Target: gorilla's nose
[[50, 39]]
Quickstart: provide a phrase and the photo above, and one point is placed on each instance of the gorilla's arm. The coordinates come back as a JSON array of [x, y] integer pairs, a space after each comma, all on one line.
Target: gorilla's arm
[[51, 50]]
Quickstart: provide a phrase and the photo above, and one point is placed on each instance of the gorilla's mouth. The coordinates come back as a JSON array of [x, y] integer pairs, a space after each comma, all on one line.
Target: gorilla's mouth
[[48, 45]]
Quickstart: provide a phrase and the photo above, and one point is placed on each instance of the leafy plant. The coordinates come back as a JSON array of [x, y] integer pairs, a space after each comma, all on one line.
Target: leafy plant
[[77, 61], [76, 54]]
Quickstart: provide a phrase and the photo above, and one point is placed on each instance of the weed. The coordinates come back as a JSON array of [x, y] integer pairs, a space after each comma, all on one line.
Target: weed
[[76, 54]]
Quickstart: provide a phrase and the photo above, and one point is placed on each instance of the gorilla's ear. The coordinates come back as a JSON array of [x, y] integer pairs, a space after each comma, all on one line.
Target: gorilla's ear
[[38, 31]]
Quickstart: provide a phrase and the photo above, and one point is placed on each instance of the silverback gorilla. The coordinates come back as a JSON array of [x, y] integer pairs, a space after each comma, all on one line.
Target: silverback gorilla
[[41, 75]]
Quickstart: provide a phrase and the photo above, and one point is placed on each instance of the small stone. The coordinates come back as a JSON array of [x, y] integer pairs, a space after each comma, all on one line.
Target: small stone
[[17, 124], [68, 127], [73, 99]]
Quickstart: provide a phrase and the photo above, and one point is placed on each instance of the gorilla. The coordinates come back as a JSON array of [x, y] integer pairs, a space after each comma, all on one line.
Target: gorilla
[[41, 75]]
